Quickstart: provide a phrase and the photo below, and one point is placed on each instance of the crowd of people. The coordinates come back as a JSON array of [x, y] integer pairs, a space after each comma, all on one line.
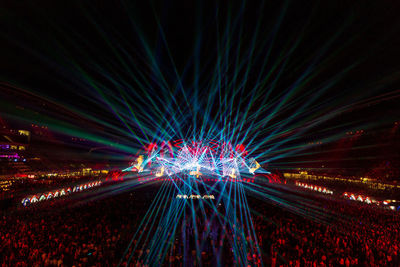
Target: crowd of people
[[102, 228], [70, 231], [348, 234]]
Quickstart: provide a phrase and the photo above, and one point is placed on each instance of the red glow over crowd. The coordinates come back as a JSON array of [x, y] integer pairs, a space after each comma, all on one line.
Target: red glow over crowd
[[73, 232]]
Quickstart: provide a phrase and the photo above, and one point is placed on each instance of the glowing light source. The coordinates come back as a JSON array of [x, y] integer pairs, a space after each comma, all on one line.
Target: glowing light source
[[315, 188], [161, 172], [254, 166], [57, 193], [232, 175], [139, 162], [196, 173], [196, 158]]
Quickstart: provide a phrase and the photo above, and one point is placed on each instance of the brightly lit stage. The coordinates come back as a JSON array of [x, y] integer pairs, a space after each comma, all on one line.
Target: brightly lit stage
[[204, 160]]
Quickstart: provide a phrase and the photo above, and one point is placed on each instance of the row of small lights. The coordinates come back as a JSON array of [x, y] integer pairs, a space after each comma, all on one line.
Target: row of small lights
[[58, 193], [315, 188], [195, 197], [368, 200], [316, 143], [315, 176], [38, 126], [204, 180], [358, 197], [77, 139], [355, 132]]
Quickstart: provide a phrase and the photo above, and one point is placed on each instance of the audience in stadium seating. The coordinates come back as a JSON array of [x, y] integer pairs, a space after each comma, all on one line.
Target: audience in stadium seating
[[68, 232]]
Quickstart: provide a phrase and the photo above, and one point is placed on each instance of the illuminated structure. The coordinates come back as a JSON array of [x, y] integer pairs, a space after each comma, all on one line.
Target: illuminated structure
[[58, 193], [195, 158]]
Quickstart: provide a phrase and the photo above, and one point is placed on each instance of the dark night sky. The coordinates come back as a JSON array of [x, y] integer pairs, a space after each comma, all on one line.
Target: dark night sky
[[31, 32], [43, 43]]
